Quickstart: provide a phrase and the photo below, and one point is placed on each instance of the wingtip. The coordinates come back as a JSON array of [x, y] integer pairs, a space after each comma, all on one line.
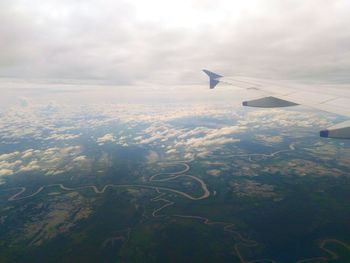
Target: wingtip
[[207, 72], [213, 78], [211, 74]]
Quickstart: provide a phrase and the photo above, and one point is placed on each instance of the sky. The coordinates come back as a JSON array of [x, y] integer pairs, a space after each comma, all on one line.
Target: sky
[[127, 42]]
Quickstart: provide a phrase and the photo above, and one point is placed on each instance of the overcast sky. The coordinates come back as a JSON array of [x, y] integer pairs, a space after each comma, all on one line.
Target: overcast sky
[[161, 41]]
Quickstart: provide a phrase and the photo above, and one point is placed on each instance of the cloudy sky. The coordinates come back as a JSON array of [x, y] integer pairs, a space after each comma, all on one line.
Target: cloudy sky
[[160, 41]]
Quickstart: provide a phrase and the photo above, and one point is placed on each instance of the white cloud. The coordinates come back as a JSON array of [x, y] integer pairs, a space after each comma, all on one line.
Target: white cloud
[[109, 137], [81, 158], [214, 172], [52, 160], [152, 157], [171, 151], [9, 165], [269, 139], [8, 156], [5, 172], [211, 137], [32, 166], [27, 154], [62, 137]]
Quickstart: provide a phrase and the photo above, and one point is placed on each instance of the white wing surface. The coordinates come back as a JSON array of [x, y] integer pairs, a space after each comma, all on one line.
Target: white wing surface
[[282, 94]]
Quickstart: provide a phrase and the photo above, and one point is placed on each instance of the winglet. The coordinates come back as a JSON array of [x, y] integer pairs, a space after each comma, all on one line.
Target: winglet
[[213, 78]]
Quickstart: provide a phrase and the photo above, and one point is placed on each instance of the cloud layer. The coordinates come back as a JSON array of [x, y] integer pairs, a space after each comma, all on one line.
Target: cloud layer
[[132, 41], [55, 139]]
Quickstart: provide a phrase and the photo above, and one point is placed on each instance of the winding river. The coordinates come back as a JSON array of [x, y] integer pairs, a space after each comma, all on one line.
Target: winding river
[[170, 176]]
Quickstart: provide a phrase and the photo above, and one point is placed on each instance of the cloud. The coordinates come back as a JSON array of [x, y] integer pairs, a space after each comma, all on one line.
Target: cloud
[[32, 166], [210, 137], [152, 157], [63, 137], [9, 164], [214, 172], [109, 137], [50, 161], [81, 158], [160, 132], [170, 41], [4, 172], [171, 151], [269, 139], [8, 156], [27, 154], [284, 118]]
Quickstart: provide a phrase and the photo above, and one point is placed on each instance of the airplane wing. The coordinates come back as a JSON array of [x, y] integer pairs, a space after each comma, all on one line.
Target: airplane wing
[[282, 94]]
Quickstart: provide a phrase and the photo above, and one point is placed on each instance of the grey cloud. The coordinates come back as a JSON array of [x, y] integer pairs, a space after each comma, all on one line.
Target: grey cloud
[[108, 40], [309, 40]]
